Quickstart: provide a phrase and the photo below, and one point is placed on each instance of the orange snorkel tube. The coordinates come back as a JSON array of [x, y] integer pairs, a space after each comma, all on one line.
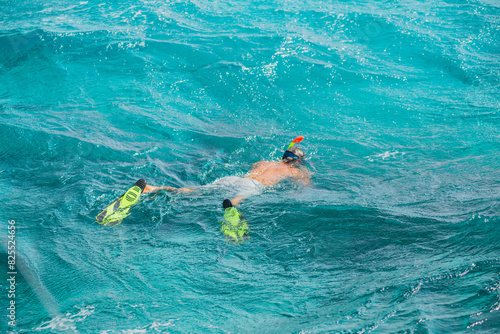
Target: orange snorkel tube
[[290, 154], [295, 141]]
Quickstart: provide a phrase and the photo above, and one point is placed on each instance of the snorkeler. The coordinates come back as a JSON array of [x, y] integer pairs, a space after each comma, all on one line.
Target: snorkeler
[[235, 228], [263, 173]]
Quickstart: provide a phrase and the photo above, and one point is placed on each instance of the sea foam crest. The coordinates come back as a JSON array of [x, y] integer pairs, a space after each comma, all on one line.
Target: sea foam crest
[[67, 321]]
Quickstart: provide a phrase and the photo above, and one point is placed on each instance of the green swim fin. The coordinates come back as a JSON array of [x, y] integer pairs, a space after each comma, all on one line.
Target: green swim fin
[[115, 212], [235, 227]]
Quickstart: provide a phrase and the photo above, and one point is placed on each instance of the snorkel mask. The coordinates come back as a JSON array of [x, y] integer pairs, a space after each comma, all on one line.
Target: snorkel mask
[[294, 154]]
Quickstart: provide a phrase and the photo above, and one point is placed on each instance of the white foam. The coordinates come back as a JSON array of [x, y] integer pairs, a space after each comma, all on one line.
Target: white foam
[[385, 155], [67, 322]]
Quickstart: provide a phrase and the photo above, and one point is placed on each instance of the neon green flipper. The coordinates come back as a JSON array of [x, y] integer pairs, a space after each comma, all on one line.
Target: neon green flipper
[[114, 213], [235, 226]]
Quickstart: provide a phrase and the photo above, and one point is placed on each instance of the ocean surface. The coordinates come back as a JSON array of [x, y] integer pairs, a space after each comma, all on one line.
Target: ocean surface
[[399, 103]]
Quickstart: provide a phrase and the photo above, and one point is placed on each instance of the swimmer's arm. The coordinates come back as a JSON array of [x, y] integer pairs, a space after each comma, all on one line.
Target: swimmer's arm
[[303, 177]]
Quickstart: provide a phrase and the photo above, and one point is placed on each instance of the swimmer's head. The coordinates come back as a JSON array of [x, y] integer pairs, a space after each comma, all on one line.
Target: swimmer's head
[[293, 155]]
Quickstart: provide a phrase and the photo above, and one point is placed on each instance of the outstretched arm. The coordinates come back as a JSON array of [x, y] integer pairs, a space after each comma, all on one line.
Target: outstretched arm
[[303, 177]]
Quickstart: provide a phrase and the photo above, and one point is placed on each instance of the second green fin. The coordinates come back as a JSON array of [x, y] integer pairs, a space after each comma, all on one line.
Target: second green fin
[[235, 227]]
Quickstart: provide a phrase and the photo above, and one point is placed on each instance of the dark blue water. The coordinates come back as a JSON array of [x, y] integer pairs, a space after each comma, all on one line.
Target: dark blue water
[[399, 105]]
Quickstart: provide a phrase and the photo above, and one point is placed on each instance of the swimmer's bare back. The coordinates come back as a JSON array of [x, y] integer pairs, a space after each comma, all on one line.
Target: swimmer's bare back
[[272, 172]]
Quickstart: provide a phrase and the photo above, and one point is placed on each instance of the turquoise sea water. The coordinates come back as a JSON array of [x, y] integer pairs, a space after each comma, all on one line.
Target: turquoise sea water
[[399, 104]]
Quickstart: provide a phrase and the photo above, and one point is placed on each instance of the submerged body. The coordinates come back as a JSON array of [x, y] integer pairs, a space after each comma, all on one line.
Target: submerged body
[[267, 173], [263, 173]]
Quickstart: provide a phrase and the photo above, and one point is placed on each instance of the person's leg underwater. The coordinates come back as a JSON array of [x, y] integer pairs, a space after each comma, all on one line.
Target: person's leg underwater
[[150, 188], [237, 200], [235, 226]]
